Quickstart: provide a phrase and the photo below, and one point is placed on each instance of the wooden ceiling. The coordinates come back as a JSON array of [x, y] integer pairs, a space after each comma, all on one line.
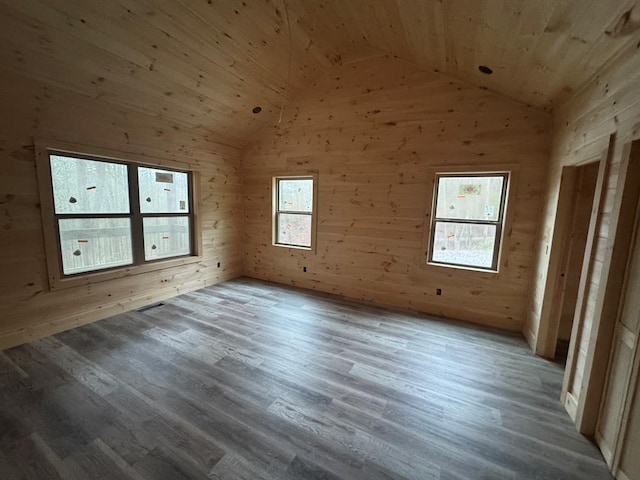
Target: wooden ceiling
[[207, 63]]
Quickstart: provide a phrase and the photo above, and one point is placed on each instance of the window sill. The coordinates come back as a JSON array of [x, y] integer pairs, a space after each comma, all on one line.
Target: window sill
[[295, 247], [462, 267], [56, 283]]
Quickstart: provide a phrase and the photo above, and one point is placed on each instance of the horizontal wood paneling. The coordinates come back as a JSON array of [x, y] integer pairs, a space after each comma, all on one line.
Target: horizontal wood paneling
[[207, 64], [540, 52], [608, 105], [31, 109], [373, 129]]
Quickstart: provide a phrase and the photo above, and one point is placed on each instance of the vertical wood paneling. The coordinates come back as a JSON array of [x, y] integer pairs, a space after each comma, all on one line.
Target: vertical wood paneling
[[374, 130], [31, 109]]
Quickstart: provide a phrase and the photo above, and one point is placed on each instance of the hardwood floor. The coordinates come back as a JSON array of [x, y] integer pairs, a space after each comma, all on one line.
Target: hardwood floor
[[248, 380]]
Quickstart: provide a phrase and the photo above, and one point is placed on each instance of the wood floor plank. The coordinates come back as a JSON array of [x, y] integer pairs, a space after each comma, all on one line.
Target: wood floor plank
[[248, 380], [234, 467]]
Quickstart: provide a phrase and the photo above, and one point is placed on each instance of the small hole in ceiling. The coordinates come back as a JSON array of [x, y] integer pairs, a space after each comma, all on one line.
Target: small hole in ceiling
[[484, 69], [256, 109]]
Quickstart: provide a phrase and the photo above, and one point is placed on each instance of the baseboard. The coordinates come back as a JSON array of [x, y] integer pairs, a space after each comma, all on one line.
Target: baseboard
[[571, 406], [620, 475], [30, 333], [530, 337]]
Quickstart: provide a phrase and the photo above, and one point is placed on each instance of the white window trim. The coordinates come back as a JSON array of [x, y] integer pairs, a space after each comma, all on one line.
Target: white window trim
[[274, 210], [44, 148]]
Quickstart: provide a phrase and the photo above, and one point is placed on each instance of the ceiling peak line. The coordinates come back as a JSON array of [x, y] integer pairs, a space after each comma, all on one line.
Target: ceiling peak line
[[286, 84]]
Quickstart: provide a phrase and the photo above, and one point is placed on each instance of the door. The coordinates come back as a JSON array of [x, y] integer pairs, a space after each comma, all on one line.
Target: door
[[618, 427], [629, 464]]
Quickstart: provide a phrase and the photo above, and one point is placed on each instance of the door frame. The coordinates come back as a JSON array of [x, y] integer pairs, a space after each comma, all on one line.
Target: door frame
[[628, 233], [558, 258], [571, 403], [546, 338], [587, 406], [613, 455]]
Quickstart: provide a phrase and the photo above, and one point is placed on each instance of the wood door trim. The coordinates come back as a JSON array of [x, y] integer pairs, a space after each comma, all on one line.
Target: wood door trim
[[630, 339], [608, 299], [585, 278], [626, 412], [547, 333]]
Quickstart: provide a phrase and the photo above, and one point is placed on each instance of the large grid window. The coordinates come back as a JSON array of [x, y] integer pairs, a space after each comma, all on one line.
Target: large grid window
[[293, 211], [467, 219], [110, 214]]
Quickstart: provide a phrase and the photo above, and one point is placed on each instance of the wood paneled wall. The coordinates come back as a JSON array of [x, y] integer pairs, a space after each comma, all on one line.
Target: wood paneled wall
[[608, 106], [31, 109], [373, 129]]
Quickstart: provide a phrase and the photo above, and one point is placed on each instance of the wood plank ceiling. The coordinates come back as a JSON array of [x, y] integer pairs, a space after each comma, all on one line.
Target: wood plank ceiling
[[204, 64]]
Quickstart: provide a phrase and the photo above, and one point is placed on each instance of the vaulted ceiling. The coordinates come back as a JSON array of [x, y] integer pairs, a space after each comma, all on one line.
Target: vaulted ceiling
[[208, 63]]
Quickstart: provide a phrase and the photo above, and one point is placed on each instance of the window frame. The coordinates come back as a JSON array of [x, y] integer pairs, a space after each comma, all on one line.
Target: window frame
[[276, 212], [499, 223], [50, 219]]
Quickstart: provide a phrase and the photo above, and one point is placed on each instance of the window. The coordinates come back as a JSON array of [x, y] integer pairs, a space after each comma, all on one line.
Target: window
[[467, 220], [110, 214], [293, 211]]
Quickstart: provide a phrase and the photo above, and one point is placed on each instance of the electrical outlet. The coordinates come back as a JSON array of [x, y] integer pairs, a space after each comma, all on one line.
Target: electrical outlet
[[438, 291]]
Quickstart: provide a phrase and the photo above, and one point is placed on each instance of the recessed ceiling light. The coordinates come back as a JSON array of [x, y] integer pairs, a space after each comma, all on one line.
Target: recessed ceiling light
[[484, 69], [256, 109]]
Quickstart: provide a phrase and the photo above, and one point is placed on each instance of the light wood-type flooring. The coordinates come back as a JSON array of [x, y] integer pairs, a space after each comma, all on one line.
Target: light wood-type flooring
[[249, 380]]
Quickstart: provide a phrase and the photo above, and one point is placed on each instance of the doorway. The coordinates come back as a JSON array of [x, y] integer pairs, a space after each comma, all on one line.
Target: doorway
[[573, 275], [583, 186], [574, 218]]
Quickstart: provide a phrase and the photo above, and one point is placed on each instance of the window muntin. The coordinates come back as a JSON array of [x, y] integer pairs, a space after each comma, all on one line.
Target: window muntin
[[166, 237], [99, 218], [82, 185], [163, 191], [294, 211], [84, 241], [468, 215]]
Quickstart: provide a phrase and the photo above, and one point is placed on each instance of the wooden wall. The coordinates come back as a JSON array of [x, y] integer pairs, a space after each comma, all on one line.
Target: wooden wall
[[608, 105], [372, 129], [31, 109]]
